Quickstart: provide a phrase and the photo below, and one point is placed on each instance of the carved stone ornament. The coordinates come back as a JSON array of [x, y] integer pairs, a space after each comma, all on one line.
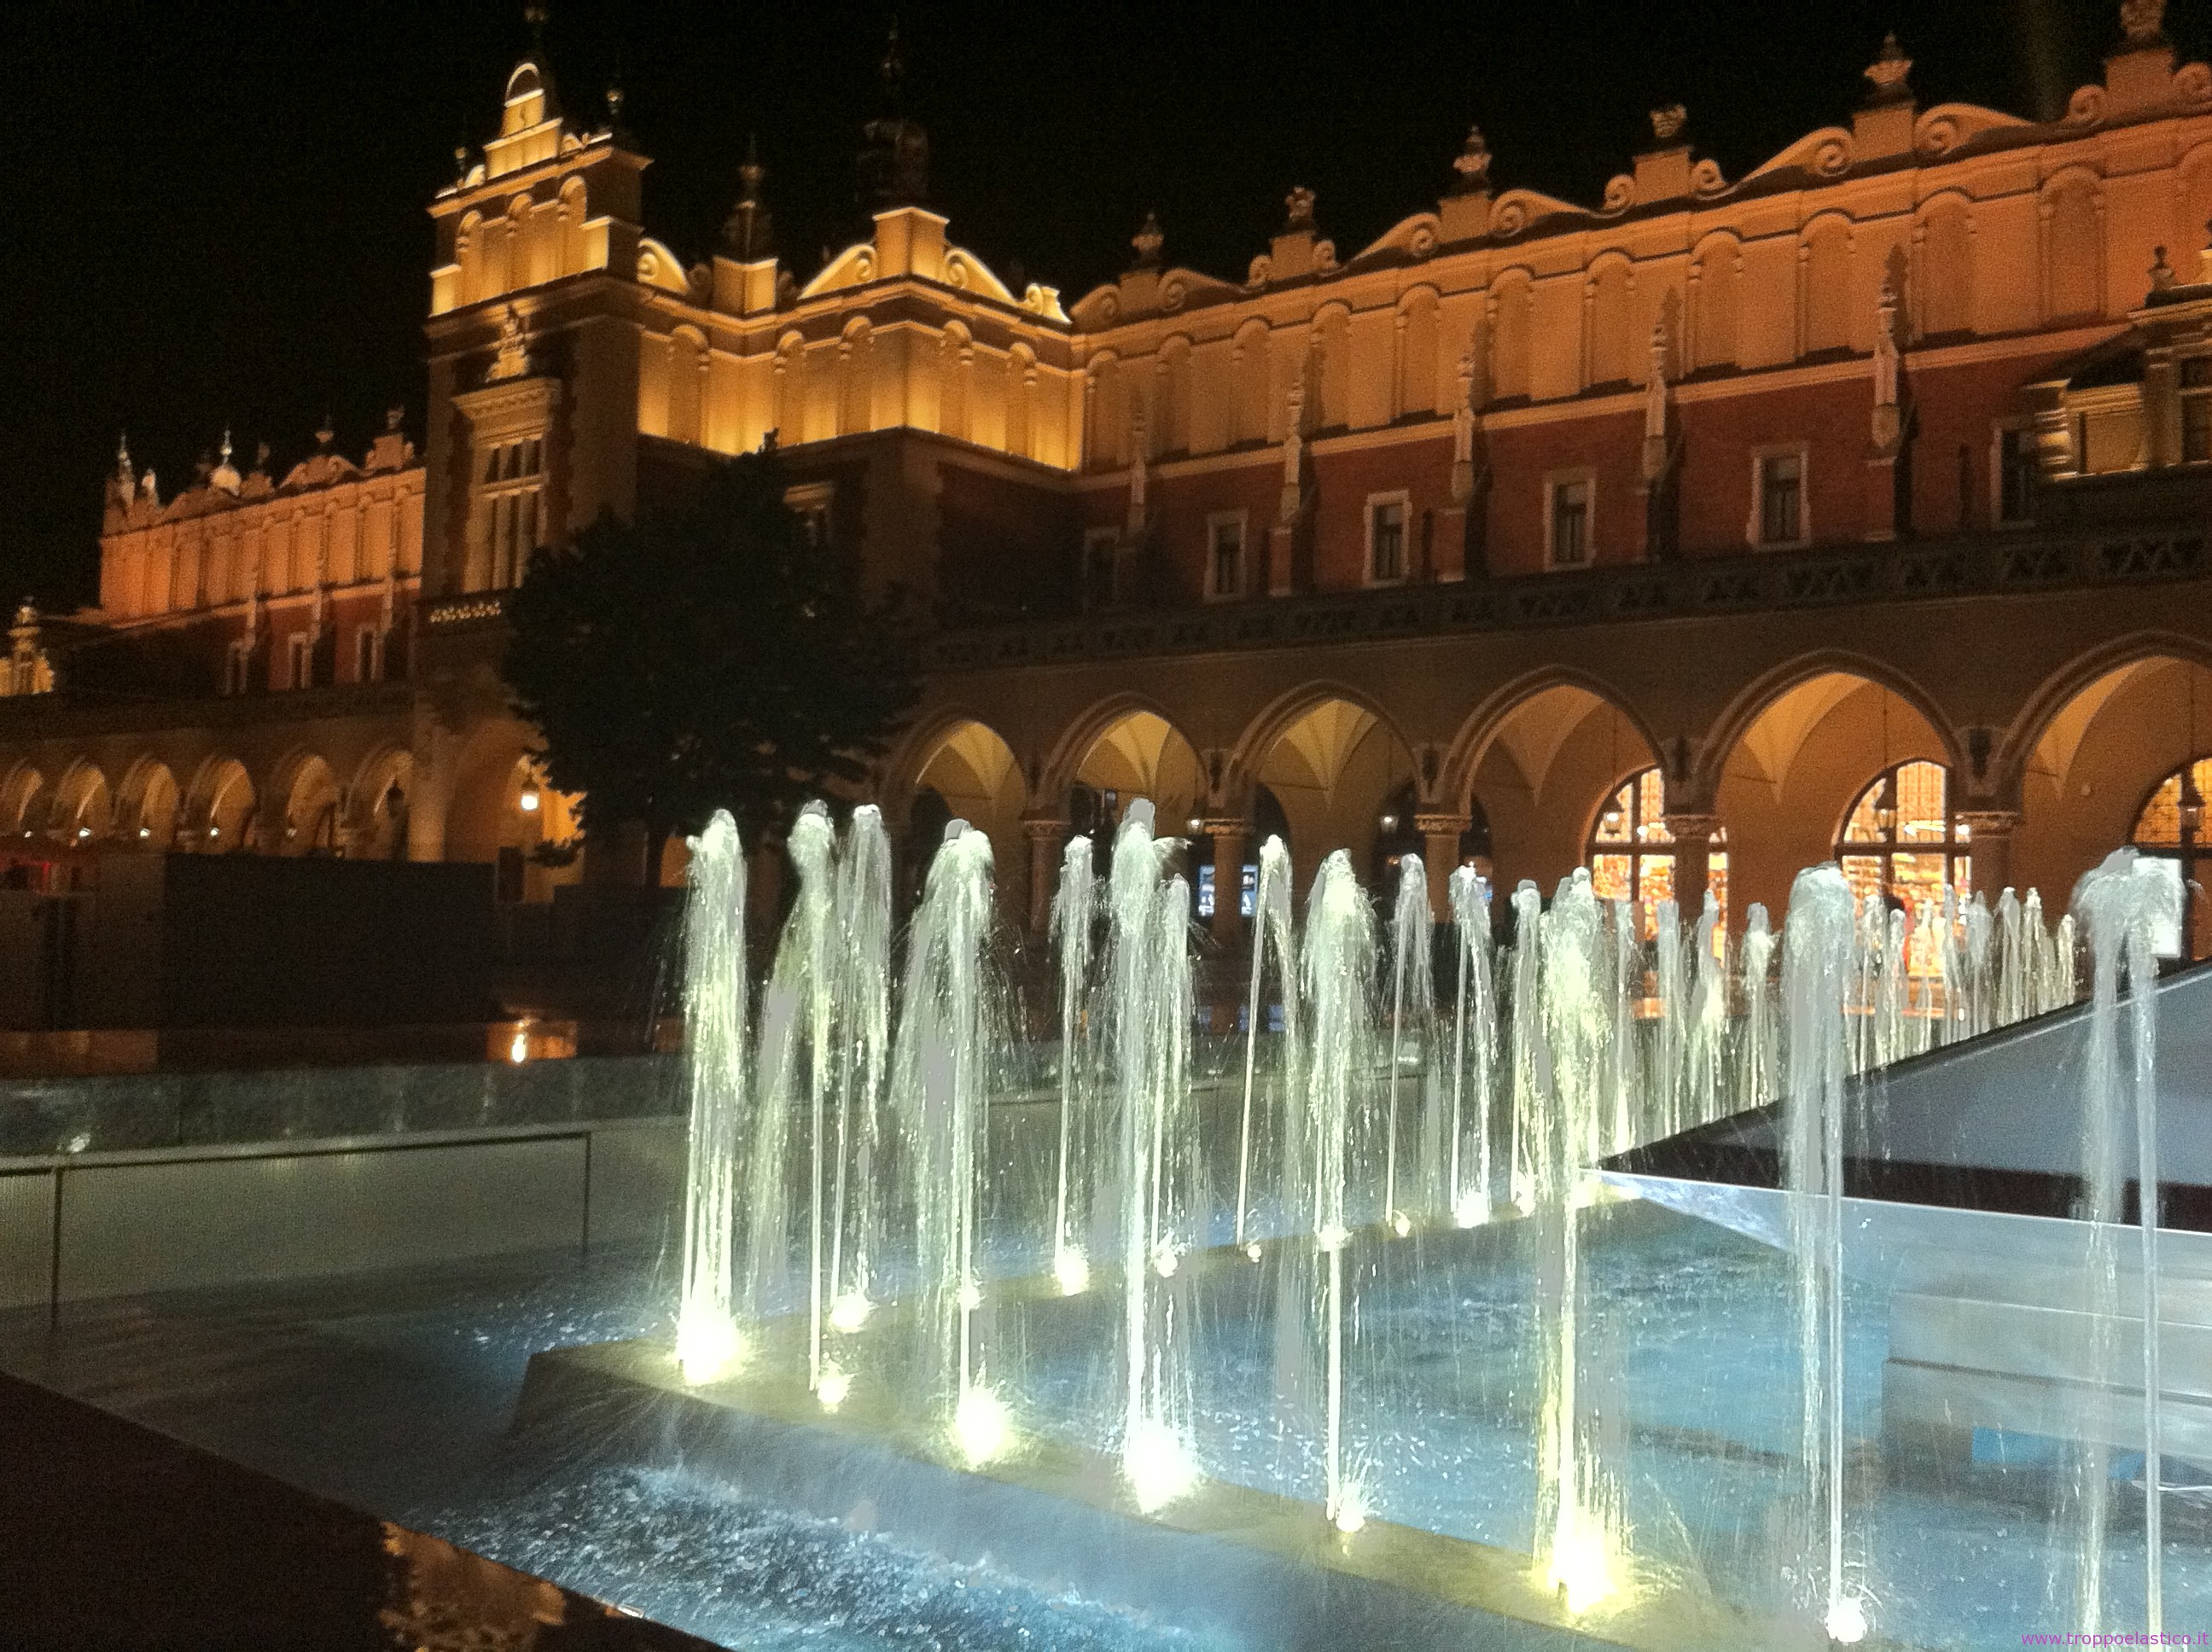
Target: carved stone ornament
[[1148, 240], [1620, 193], [1888, 72], [1300, 204], [1667, 124], [514, 357], [2143, 21], [1472, 163]]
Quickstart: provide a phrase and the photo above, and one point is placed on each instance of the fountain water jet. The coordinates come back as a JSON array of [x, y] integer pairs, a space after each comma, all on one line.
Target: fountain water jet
[[1474, 1049], [706, 1341], [1817, 959]]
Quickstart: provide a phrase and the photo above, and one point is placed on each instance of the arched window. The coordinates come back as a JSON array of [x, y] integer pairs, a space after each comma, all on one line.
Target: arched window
[[1901, 842], [1631, 856], [2170, 832]]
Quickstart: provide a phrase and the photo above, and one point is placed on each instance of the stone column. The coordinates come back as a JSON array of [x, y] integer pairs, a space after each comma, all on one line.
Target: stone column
[[1048, 834], [1440, 836], [1694, 851], [1989, 840], [1229, 837]]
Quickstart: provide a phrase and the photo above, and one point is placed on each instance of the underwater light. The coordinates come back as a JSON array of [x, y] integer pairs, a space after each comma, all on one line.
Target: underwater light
[[1252, 1251], [980, 1427], [1072, 1269], [1847, 1621], [850, 1312], [519, 1051], [1333, 1236], [1158, 1465], [1581, 1571], [1400, 1224], [971, 1295], [1166, 1256], [1471, 1210], [707, 1347], [1351, 1511], [833, 1388]]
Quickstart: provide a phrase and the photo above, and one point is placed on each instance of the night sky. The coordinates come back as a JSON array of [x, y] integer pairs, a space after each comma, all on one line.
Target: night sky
[[215, 214]]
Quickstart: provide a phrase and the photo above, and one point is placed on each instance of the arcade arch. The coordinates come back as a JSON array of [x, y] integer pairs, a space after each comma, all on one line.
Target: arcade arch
[[18, 814], [84, 807], [1801, 757], [311, 808], [1332, 766], [970, 774], [226, 804], [149, 810], [2101, 754], [1541, 769]]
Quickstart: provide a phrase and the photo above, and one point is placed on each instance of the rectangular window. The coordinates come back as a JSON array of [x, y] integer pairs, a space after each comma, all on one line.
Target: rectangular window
[[510, 510], [1568, 522], [237, 669], [2016, 475], [1386, 540], [1224, 560], [809, 502], [1781, 499], [368, 655], [302, 657]]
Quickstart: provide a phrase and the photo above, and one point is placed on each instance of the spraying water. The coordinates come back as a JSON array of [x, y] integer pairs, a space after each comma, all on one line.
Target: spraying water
[[1338, 967], [1578, 1512], [1413, 1008], [706, 1343], [1817, 961], [862, 1063], [1271, 937], [1149, 1017], [948, 1044], [2124, 911], [1074, 916], [1474, 1051]]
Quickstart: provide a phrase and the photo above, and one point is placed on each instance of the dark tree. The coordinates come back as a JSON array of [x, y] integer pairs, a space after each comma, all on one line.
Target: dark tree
[[708, 656]]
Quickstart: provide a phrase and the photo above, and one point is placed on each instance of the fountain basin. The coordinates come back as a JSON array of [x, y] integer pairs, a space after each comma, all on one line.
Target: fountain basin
[[1248, 1567]]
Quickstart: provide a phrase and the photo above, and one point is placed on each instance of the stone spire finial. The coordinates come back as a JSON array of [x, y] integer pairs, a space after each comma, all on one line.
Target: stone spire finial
[[123, 455], [2161, 272], [1299, 208], [2143, 21], [1148, 240], [1472, 163], [749, 231], [225, 475], [535, 17], [326, 434], [1666, 122], [895, 165], [615, 96], [1889, 72]]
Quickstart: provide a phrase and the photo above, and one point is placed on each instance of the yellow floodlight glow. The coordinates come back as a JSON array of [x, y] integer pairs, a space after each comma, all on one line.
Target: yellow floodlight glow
[[707, 1347], [980, 1427], [1847, 1621], [1351, 1510], [1581, 1569], [1157, 1464], [1071, 1268]]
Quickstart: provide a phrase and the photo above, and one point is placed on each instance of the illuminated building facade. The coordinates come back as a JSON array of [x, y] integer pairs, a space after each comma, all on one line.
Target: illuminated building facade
[[1857, 505]]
